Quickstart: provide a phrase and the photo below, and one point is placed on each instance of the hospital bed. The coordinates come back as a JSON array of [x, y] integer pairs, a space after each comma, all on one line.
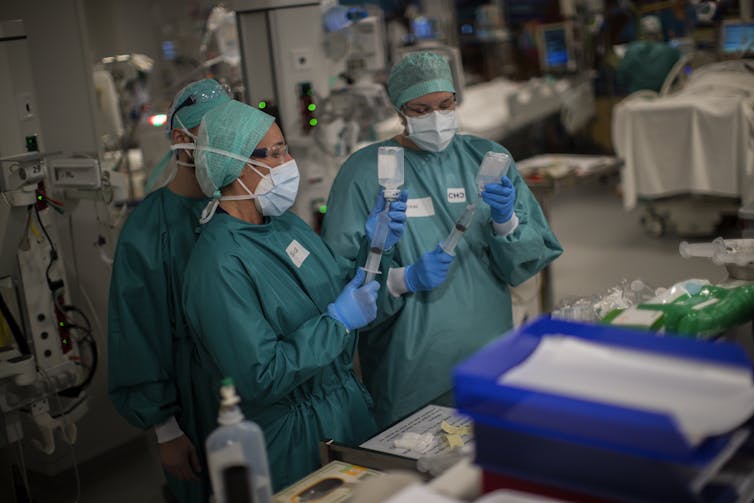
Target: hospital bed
[[689, 154], [497, 108]]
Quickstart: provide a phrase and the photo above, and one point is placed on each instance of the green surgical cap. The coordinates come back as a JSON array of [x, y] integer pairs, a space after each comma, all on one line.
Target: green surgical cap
[[235, 128], [189, 105], [193, 101], [417, 74]]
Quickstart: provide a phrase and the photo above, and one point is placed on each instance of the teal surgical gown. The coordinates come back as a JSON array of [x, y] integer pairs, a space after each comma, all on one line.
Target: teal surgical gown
[[149, 346], [646, 64], [256, 300], [407, 357]]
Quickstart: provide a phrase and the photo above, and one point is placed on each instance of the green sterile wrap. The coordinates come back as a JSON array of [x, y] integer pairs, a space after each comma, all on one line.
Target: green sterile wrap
[[711, 311]]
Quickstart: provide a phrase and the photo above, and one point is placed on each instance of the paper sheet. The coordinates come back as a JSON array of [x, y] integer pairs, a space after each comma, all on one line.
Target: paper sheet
[[704, 399], [427, 420]]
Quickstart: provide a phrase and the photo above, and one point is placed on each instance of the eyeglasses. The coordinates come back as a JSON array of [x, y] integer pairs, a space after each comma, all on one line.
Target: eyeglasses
[[422, 109], [276, 151], [200, 97]]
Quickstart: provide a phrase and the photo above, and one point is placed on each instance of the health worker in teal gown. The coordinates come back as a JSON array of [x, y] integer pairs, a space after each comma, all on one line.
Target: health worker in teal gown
[[441, 308], [268, 302], [148, 344]]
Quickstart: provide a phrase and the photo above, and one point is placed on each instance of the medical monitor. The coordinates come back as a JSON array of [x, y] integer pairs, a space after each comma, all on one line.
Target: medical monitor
[[423, 28], [736, 36], [554, 45]]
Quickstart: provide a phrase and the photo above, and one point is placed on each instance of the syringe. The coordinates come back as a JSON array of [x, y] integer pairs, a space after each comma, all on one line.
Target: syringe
[[377, 245], [449, 244], [390, 175], [494, 166]]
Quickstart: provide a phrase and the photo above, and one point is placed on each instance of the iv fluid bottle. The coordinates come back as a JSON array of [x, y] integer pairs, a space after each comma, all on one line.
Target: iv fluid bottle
[[390, 170], [236, 451], [494, 166]]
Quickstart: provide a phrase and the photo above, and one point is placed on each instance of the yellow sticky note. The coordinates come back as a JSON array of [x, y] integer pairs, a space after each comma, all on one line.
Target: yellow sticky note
[[454, 441], [454, 430]]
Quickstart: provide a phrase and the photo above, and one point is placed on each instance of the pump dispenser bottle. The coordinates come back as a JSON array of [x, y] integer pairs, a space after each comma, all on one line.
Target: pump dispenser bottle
[[237, 455]]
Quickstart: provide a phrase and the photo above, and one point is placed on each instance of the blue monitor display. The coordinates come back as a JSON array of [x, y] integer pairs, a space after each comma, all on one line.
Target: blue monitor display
[[554, 45], [735, 36], [423, 28]]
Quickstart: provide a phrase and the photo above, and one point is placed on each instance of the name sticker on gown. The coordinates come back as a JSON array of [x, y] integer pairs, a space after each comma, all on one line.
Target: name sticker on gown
[[297, 253], [457, 195], [422, 207]]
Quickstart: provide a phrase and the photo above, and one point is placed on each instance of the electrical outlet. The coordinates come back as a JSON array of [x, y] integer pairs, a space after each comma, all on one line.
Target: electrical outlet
[[25, 108], [302, 59]]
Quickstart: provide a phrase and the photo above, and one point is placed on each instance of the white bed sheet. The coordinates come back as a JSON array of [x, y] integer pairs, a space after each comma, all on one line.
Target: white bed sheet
[[696, 141]]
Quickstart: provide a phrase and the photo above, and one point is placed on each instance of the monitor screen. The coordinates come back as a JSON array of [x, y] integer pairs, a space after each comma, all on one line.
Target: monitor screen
[[423, 28], [554, 46], [736, 35]]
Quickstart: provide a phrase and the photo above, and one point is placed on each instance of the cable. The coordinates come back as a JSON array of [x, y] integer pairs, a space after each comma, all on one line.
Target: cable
[[24, 476], [76, 390], [21, 342], [54, 286]]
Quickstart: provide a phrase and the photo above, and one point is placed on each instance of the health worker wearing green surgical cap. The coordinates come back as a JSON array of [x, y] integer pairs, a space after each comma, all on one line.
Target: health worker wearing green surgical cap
[[269, 303], [442, 308], [647, 61], [148, 343]]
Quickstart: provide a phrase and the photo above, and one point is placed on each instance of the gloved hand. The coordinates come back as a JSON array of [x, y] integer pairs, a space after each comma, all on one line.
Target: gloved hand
[[502, 198], [397, 214], [356, 305], [429, 271]]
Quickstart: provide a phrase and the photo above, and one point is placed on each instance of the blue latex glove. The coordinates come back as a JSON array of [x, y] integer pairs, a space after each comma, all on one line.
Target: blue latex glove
[[397, 214], [429, 271], [356, 305], [502, 198]]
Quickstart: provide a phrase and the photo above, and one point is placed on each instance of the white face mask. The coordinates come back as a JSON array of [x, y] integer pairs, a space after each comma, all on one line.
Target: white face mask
[[275, 193], [433, 131]]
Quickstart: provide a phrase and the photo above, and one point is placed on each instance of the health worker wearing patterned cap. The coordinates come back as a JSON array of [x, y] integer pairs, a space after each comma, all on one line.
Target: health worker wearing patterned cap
[[441, 308], [148, 343], [268, 302]]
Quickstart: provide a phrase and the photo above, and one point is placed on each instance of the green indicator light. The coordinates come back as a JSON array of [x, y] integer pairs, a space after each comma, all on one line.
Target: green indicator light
[[61, 324], [312, 107], [65, 341], [313, 122], [262, 104], [323, 208]]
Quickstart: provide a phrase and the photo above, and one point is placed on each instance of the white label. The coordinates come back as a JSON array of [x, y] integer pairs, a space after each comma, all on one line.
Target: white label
[[297, 253], [705, 304], [640, 317], [420, 207], [457, 195], [218, 461]]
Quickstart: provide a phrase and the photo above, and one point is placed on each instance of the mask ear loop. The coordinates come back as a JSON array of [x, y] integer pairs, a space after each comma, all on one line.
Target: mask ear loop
[[158, 170], [209, 211], [189, 151]]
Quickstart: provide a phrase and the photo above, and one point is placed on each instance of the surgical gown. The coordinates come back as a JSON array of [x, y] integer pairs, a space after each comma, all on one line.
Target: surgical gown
[[646, 65], [149, 346], [408, 356], [256, 300]]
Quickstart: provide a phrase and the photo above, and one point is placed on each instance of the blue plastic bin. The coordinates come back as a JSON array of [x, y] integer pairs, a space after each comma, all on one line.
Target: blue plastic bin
[[644, 433], [614, 452]]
